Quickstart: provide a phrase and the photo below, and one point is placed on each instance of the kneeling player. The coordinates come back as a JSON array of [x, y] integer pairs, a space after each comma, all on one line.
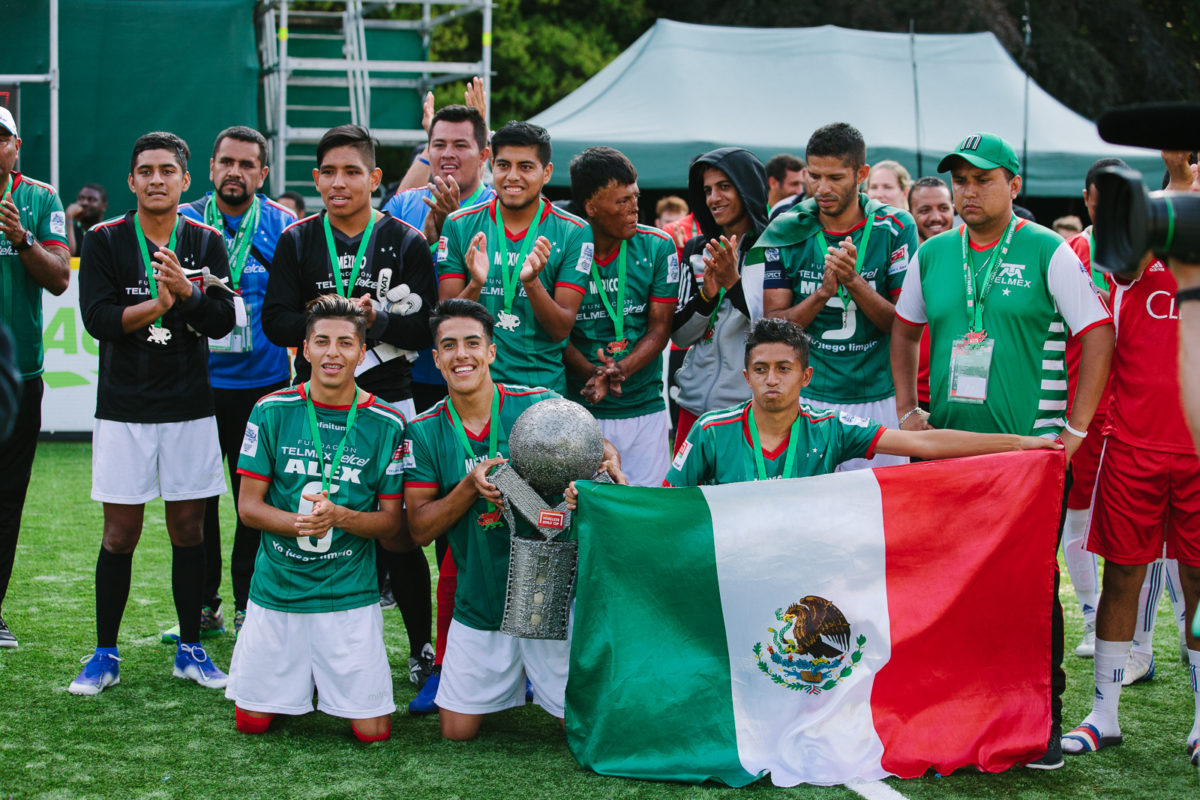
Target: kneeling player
[[772, 436], [450, 450], [313, 619]]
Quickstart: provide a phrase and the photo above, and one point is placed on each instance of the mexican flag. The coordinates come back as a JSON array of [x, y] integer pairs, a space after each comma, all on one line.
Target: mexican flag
[[848, 626]]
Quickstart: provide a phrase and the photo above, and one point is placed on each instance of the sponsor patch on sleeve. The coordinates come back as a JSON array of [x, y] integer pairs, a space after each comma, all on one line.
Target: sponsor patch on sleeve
[[443, 248], [584, 264], [850, 419], [771, 255], [396, 465], [250, 440], [898, 262], [58, 223], [682, 455], [407, 459], [673, 268]]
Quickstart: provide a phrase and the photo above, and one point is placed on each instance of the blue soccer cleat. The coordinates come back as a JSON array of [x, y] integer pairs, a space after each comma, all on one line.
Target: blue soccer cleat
[[192, 663], [100, 670], [423, 703]]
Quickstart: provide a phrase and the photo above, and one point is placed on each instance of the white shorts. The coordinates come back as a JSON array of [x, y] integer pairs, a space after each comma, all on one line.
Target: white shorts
[[881, 411], [485, 671], [280, 657], [135, 462], [643, 445]]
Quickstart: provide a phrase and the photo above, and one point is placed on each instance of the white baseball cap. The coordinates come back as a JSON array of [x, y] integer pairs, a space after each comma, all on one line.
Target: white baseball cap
[[7, 121]]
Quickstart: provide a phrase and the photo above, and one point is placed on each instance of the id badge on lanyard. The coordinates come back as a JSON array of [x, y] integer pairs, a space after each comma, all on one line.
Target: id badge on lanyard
[[241, 338], [970, 367]]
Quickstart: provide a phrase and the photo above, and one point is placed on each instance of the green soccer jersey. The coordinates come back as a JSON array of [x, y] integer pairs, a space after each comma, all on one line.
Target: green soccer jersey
[[525, 353], [336, 572], [42, 214], [651, 276], [850, 354], [719, 448], [434, 459], [1039, 285]]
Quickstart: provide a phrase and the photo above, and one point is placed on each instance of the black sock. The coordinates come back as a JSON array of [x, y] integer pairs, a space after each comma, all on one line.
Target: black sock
[[113, 571], [187, 584], [410, 586]]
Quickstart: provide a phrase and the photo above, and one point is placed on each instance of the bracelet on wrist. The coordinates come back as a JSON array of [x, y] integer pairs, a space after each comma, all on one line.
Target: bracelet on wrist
[[423, 160], [908, 414], [1183, 295], [1080, 434]]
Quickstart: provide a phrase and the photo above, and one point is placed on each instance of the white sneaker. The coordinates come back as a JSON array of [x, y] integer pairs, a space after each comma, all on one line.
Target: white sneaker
[[1087, 645], [1139, 669]]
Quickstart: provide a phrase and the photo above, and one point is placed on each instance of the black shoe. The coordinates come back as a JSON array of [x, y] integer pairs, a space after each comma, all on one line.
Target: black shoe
[[6, 636], [1053, 758], [386, 600]]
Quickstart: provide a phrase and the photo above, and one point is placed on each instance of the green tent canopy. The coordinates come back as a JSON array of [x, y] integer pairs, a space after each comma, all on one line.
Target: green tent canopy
[[683, 89]]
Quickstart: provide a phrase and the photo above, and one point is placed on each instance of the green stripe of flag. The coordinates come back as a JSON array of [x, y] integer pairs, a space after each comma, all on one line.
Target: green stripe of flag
[[674, 629]]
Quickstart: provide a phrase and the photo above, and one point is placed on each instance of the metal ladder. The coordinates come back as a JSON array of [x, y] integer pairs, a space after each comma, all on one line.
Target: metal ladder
[[307, 92]]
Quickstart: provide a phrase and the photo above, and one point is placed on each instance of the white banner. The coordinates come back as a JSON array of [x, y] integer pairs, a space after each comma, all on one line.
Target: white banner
[[72, 362]]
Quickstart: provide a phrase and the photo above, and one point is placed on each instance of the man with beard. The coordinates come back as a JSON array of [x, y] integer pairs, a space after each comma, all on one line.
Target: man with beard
[[244, 365], [932, 206], [90, 204]]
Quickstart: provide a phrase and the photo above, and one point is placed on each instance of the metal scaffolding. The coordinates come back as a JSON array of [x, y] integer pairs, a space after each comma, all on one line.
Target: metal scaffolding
[[52, 78], [286, 78]]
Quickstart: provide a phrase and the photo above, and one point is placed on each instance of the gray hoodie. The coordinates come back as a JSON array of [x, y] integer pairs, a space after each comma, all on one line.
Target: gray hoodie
[[711, 375]]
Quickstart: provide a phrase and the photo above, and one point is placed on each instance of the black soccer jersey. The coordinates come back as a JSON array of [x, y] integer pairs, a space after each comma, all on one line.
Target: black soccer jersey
[[302, 271], [152, 374]]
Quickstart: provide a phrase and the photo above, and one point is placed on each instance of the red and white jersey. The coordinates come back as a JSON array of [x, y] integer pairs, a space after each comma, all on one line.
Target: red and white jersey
[[1145, 409], [1081, 243]]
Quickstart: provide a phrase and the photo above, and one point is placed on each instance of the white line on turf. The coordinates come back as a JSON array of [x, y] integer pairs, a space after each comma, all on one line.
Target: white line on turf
[[874, 790]]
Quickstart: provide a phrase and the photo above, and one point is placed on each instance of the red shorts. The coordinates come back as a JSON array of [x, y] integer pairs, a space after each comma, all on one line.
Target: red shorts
[[1145, 499], [1084, 464]]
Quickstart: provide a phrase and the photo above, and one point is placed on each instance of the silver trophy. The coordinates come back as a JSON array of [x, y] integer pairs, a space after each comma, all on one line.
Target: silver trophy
[[551, 444]]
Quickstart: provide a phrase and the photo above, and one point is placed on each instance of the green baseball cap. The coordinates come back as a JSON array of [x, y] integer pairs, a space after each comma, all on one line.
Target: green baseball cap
[[984, 150]]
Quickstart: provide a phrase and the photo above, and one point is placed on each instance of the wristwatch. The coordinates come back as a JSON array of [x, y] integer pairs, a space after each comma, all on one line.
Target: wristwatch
[[25, 243]]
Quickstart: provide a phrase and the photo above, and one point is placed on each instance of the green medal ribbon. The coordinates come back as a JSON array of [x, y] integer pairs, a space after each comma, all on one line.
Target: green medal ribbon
[[531, 234], [617, 315], [861, 254], [239, 251], [327, 474], [470, 201], [712, 318], [759, 462], [146, 262], [493, 431], [360, 257], [974, 300]]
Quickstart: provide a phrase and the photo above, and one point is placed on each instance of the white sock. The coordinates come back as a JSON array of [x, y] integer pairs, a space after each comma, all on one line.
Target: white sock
[[1109, 671], [1152, 586], [1081, 565], [1175, 592], [1194, 677]]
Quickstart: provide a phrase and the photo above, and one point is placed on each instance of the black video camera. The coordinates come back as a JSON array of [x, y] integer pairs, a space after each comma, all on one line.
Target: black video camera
[[1131, 220]]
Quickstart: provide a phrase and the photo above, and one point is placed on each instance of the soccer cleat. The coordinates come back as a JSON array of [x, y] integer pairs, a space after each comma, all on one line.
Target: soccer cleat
[[212, 623], [100, 670], [1087, 739], [420, 667], [239, 619], [6, 636], [1194, 752], [1140, 668], [1053, 757], [528, 691], [192, 663], [386, 599], [423, 702], [1087, 645]]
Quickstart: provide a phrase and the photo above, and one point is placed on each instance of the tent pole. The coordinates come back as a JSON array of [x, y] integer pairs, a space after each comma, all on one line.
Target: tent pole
[[54, 85], [1025, 124], [912, 51]]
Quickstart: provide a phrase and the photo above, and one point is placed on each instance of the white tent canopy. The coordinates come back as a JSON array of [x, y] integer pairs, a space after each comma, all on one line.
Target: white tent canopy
[[683, 89]]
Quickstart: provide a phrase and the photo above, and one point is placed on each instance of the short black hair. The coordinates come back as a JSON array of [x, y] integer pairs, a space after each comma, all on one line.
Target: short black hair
[[296, 198], [769, 330], [334, 306], [928, 182], [595, 168], [840, 140], [1089, 180], [523, 134], [355, 136], [460, 113], [458, 307], [243, 133], [97, 188], [160, 140], [779, 166]]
